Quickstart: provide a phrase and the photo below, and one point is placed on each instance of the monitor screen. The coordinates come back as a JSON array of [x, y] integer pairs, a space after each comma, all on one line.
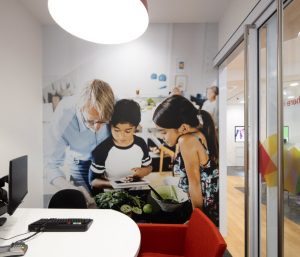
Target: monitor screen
[[239, 133], [17, 183]]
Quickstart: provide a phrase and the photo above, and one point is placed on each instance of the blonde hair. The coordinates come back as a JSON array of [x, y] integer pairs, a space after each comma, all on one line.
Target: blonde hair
[[99, 95]]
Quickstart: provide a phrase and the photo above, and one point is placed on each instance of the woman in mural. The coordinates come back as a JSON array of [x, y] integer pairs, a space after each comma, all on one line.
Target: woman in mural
[[197, 158], [211, 104], [79, 125]]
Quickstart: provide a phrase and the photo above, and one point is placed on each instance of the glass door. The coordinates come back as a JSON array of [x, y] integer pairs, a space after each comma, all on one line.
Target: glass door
[[231, 140], [291, 128], [269, 224], [268, 133], [268, 137]]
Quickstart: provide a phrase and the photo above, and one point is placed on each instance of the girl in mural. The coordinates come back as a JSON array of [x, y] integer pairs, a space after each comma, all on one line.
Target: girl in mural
[[197, 158]]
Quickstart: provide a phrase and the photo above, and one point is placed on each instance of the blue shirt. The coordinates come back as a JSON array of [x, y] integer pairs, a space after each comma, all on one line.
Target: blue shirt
[[68, 131]]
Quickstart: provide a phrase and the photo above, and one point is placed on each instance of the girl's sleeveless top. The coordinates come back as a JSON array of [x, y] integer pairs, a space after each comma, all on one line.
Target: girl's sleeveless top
[[209, 175]]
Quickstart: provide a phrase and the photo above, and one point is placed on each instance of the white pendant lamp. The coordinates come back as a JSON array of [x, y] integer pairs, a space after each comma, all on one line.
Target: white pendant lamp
[[101, 21]]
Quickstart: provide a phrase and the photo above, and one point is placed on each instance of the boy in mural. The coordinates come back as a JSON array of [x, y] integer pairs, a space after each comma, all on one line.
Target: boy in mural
[[123, 154], [79, 125], [197, 157]]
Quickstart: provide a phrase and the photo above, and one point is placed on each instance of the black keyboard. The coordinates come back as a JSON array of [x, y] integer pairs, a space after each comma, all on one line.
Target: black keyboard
[[60, 225]]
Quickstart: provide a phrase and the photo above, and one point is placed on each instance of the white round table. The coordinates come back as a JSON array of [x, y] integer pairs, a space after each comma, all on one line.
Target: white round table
[[112, 234]]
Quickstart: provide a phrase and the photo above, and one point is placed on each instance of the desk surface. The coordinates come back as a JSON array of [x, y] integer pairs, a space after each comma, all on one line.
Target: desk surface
[[112, 234]]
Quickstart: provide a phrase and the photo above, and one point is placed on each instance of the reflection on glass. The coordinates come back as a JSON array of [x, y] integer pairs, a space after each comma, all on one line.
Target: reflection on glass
[[291, 108], [263, 130]]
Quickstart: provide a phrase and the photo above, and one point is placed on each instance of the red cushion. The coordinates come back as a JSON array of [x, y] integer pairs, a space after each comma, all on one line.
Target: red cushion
[[203, 237], [163, 238], [158, 255]]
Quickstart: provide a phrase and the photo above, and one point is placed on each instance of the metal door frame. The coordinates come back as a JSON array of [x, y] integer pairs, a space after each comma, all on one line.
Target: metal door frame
[[258, 16]]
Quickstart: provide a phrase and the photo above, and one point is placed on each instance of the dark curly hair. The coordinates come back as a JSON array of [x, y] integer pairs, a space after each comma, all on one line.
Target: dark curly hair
[[126, 111], [177, 110]]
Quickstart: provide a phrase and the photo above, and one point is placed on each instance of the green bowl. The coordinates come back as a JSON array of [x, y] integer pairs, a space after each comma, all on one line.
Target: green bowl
[[171, 193]]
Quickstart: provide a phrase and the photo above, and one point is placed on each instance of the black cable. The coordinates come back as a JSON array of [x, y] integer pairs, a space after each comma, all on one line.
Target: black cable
[[26, 238], [2, 238]]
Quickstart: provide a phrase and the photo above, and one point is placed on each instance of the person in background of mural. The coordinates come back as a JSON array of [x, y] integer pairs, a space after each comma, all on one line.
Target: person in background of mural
[[211, 104], [197, 158], [176, 91], [79, 125], [55, 100], [122, 155]]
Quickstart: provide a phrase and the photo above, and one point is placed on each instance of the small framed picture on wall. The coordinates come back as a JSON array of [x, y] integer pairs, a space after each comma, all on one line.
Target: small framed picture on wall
[[180, 65], [181, 82], [239, 134]]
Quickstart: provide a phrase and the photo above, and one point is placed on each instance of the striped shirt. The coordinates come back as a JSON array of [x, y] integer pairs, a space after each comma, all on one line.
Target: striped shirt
[[115, 162]]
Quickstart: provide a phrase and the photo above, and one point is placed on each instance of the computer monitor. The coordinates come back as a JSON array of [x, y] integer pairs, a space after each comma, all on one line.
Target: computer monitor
[[17, 180], [17, 183]]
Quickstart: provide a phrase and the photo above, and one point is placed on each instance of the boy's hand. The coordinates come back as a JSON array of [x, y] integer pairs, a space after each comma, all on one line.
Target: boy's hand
[[141, 172], [101, 183]]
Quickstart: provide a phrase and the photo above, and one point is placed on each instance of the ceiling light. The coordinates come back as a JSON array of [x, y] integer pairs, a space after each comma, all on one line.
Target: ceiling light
[[294, 84], [284, 92], [291, 97], [242, 102], [101, 21], [299, 34]]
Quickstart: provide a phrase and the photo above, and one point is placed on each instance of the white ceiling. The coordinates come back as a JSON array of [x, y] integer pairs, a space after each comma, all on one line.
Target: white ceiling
[[160, 11]]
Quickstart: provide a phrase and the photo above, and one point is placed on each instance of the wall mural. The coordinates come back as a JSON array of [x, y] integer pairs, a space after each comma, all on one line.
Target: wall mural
[[102, 148], [136, 152]]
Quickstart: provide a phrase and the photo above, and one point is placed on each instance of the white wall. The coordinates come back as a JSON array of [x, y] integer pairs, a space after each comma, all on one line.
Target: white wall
[[197, 45], [20, 94], [129, 66], [235, 13], [235, 150]]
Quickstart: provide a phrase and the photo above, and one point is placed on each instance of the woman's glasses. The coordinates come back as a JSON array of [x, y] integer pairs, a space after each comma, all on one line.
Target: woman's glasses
[[91, 123]]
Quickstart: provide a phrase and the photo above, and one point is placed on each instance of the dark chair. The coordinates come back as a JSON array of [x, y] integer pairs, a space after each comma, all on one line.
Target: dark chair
[[68, 199]]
